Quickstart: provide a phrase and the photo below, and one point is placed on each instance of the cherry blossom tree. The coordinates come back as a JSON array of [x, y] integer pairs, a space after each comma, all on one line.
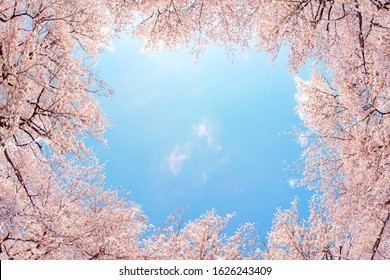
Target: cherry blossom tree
[[47, 84], [76, 221], [347, 117], [47, 109], [92, 223], [202, 239], [320, 237], [347, 161], [292, 238], [173, 24], [52, 201]]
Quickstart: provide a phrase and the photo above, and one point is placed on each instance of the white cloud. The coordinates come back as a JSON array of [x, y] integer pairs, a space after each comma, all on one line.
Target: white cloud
[[177, 157], [293, 182], [204, 130]]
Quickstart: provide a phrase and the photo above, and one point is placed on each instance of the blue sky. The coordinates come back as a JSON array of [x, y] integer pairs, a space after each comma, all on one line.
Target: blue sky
[[200, 134]]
